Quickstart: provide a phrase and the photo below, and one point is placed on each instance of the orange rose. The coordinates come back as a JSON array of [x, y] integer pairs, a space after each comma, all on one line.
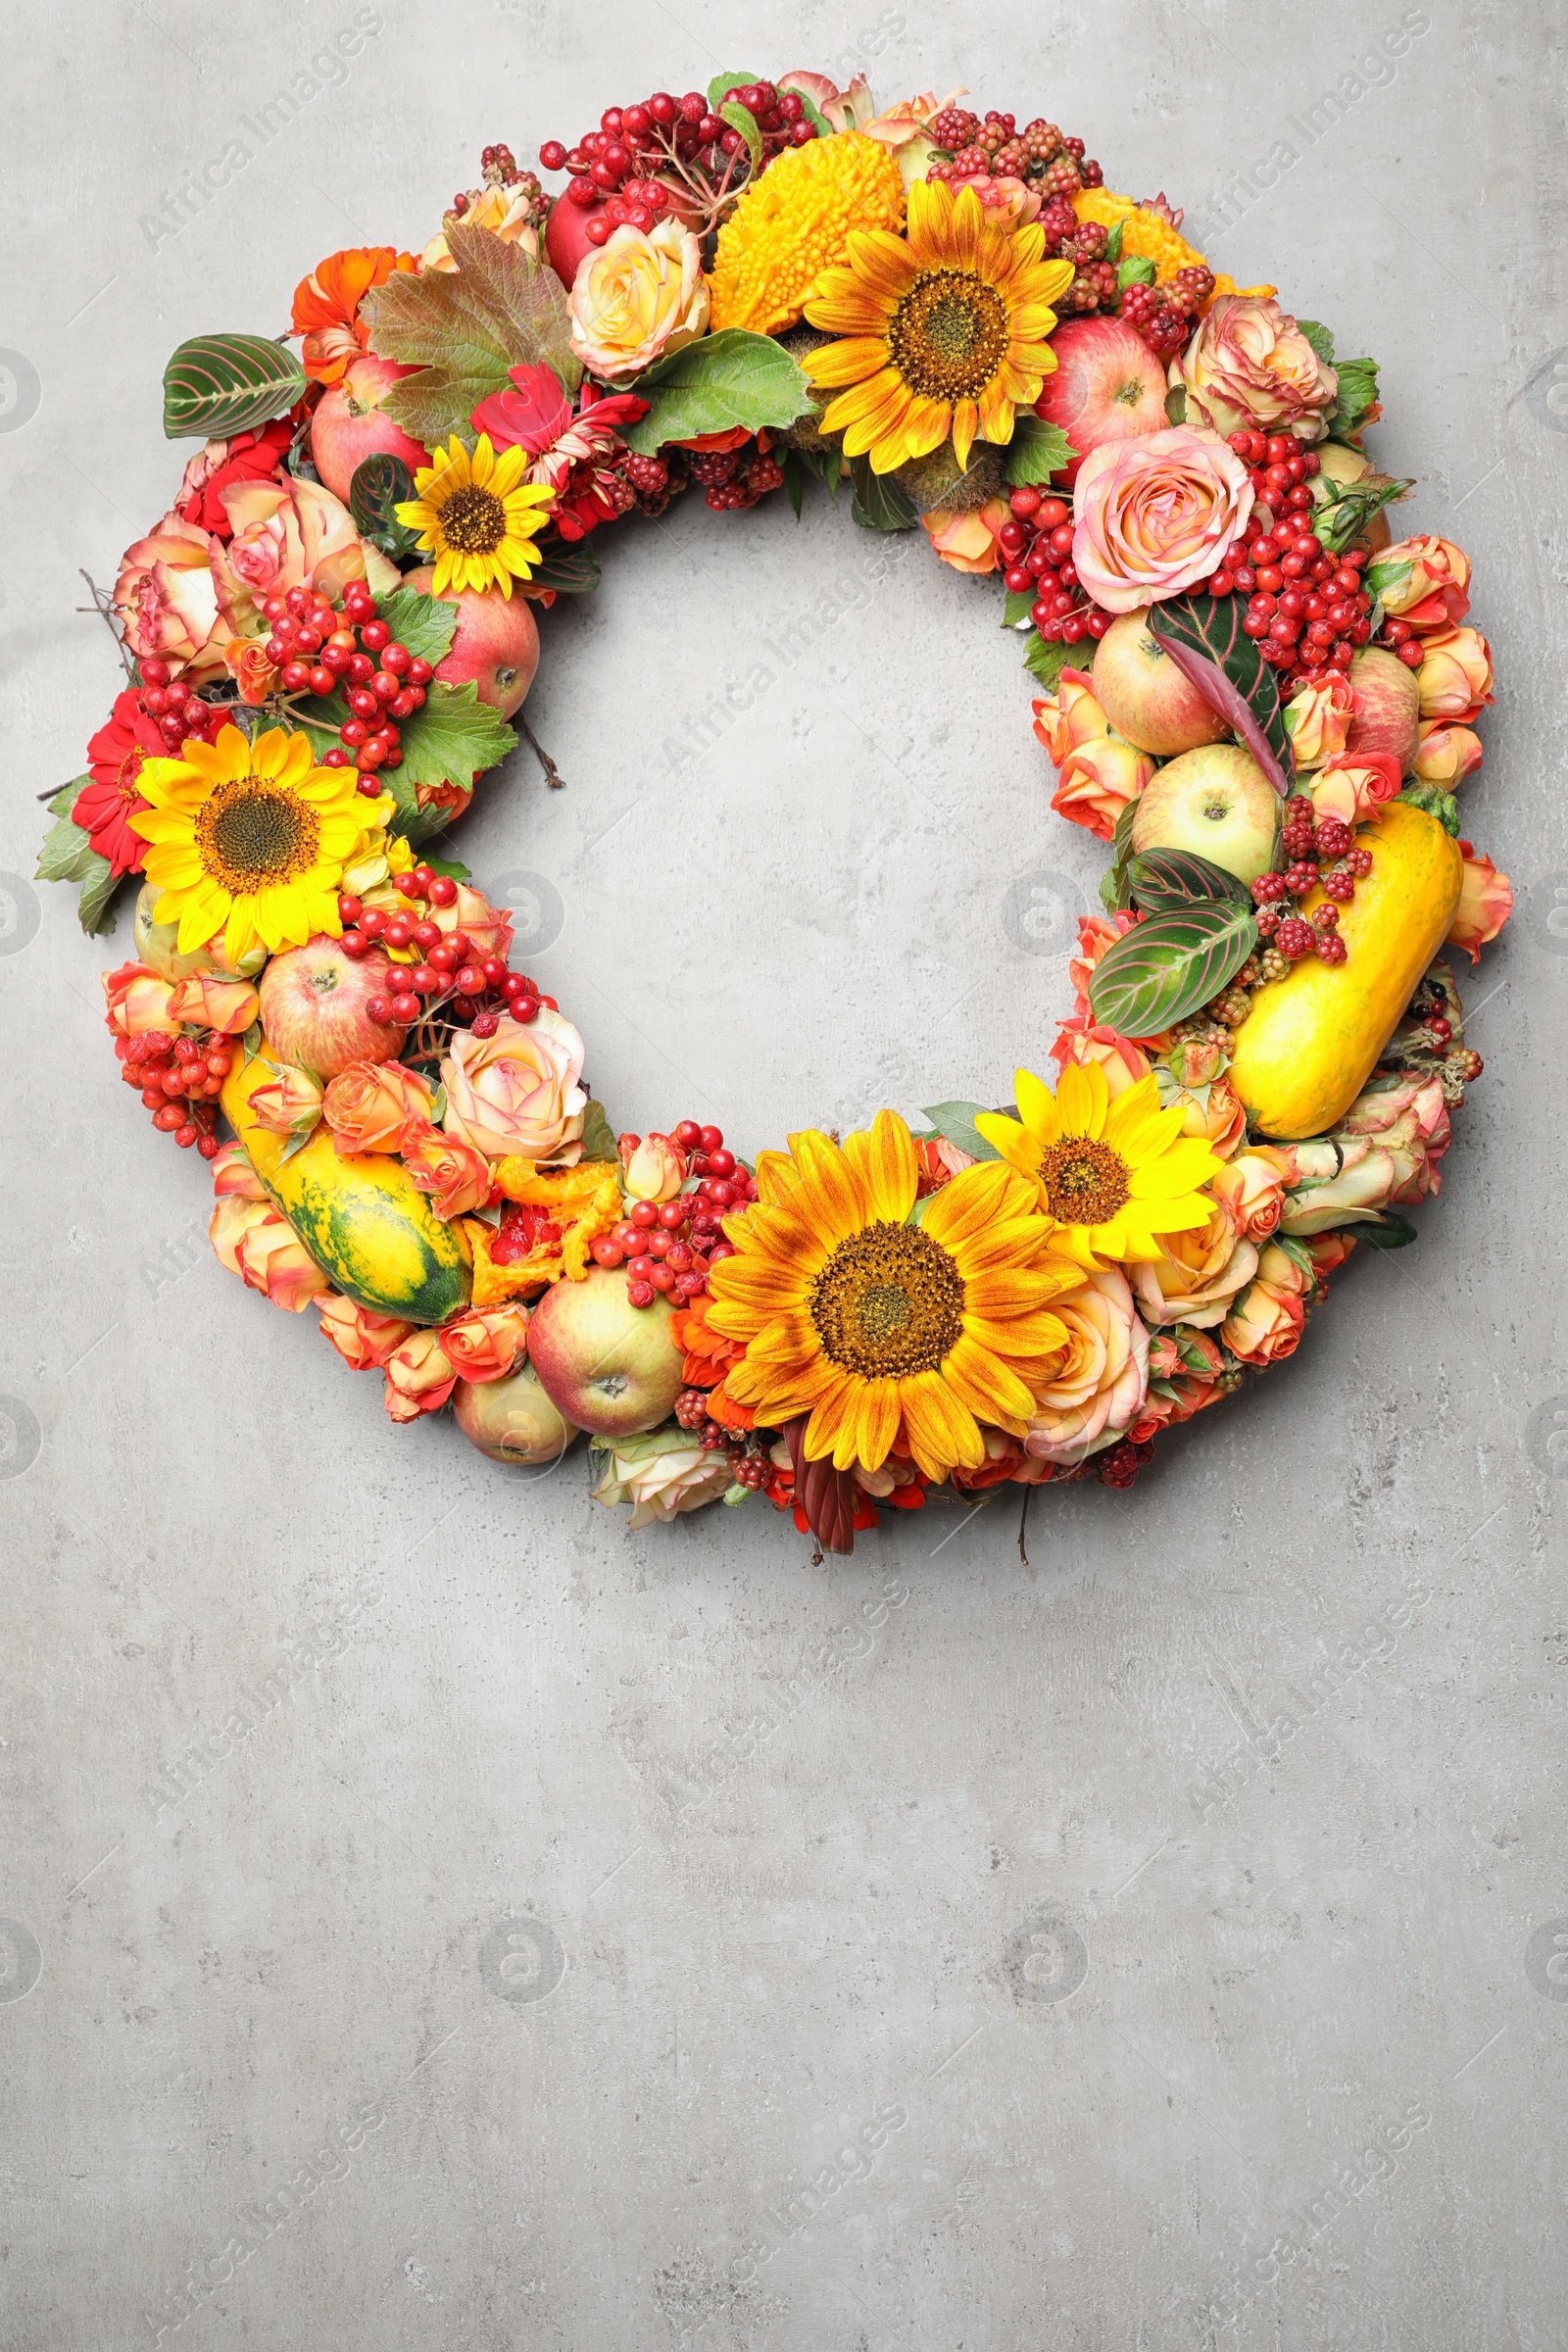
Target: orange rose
[[652, 1167], [326, 307], [255, 1242], [370, 1103], [233, 1177], [1183, 1380], [1354, 786], [420, 1377], [202, 1001], [1081, 1041], [1098, 781], [1070, 717], [1455, 675], [1250, 364], [1102, 1378], [1317, 719], [486, 1345], [289, 1102], [489, 928], [457, 1177], [1095, 933], [1447, 755], [1217, 1117], [1485, 902], [252, 669], [1424, 581], [364, 1340], [1252, 1189], [967, 537], [1265, 1324], [137, 1000]]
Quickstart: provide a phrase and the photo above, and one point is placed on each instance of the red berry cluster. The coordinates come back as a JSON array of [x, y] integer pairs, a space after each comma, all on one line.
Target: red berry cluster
[[474, 989], [178, 713], [381, 680], [668, 1247], [497, 166], [735, 479], [1037, 545], [1402, 638], [1164, 315], [748, 1463], [179, 1079], [1037, 153], [626, 158], [1321, 850], [1307, 606]]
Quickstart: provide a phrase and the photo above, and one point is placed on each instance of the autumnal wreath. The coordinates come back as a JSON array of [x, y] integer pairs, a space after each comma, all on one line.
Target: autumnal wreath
[[745, 290]]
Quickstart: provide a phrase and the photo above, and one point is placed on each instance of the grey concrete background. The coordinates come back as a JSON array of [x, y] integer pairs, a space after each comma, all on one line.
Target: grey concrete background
[[926, 1951]]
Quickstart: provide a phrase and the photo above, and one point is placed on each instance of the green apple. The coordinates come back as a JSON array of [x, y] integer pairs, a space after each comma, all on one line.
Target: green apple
[[512, 1420], [1150, 702], [1215, 800]]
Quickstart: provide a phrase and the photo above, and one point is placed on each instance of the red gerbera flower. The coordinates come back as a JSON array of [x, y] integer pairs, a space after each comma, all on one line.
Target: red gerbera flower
[[104, 808]]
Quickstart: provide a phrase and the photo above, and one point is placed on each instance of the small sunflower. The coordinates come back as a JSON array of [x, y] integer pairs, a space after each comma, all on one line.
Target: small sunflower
[[889, 1334], [251, 839], [943, 334], [477, 516], [1114, 1173]]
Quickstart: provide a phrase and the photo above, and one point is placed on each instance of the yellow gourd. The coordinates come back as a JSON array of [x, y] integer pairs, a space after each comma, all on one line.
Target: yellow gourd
[[1313, 1039]]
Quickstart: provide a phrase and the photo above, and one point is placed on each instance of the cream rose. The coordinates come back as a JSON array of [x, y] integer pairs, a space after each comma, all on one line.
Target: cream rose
[[1196, 1275], [1156, 515], [1250, 364], [1103, 1376], [640, 297], [517, 1092]]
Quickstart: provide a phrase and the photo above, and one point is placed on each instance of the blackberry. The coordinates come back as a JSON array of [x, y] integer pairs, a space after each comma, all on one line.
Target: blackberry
[[1058, 220], [1093, 176], [691, 1408], [711, 468], [968, 160], [1275, 965], [1042, 142], [1012, 160], [764, 475], [1094, 289], [1231, 1008], [1062, 178], [751, 1471], [954, 128], [1190, 289], [647, 476]]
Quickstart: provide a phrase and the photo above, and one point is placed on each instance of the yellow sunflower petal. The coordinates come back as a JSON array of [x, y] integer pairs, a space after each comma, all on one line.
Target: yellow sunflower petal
[[882, 1160]]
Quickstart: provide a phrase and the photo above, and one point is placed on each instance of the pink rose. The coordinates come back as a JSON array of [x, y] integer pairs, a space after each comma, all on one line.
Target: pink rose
[[1103, 1376], [485, 1344], [420, 1377], [517, 1091], [454, 1175], [1266, 1323], [137, 1000], [289, 1102], [1425, 582], [1251, 1188], [1456, 674], [1156, 515], [652, 1167], [166, 601], [1317, 718], [288, 534], [1410, 1121], [364, 1341], [1446, 755], [255, 1242], [965, 537], [1485, 902], [1098, 781], [1197, 1275], [368, 1104], [1250, 364], [225, 1006]]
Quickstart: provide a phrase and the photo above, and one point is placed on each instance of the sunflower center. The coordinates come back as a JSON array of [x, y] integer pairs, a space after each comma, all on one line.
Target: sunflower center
[[887, 1304], [473, 520], [1085, 1182], [251, 834], [949, 335]]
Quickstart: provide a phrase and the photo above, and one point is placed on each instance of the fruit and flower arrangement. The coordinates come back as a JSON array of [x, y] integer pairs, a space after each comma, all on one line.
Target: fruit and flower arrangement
[[1261, 702]]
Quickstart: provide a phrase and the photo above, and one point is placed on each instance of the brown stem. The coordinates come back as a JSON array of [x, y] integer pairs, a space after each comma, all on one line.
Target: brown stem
[[1023, 1521], [553, 776], [104, 608]]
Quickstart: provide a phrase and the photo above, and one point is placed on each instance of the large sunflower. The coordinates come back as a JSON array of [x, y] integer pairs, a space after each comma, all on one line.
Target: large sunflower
[[1114, 1173], [888, 1332], [250, 839], [478, 516], [945, 334]]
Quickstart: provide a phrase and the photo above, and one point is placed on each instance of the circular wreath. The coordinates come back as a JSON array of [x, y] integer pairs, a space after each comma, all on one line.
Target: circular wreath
[[1260, 703]]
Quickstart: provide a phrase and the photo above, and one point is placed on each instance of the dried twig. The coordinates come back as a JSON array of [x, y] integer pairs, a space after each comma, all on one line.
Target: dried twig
[[1023, 1521], [103, 606], [553, 776]]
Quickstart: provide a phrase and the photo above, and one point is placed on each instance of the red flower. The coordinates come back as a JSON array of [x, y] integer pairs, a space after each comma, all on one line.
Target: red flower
[[104, 808], [247, 457]]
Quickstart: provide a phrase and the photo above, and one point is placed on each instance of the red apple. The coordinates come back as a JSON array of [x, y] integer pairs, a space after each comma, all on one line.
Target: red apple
[[1108, 386], [1215, 800], [350, 425], [1387, 706], [313, 1002], [512, 1420], [604, 1364], [567, 237], [1146, 699], [496, 645]]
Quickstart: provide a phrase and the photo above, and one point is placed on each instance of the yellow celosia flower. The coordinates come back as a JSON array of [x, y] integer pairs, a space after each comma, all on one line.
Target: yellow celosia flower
[[1144, 234], [795, 222]]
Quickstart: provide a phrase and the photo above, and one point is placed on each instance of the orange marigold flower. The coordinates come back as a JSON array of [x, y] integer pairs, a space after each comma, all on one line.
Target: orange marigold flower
[[326, 307], [709, 1354]]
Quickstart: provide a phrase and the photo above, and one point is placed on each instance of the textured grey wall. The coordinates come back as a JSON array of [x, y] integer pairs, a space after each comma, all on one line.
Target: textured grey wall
[[925, 1950]]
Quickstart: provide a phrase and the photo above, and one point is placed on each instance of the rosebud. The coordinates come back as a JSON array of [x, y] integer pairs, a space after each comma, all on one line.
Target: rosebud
[[652, 1167], [289, 1102], [1454, 678], [1447, 753]]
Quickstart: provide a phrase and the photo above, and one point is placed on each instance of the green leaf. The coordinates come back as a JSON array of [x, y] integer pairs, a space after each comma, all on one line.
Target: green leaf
[[448, 865], [1318, 336], [880, 504], [67, 854], [65, 800], [222, 384], [1046, 660], [98, 888], [1036, 451], [1343, 517], [1435, 801], [252, 1041], [1021, 604], [1176, 404], [794, 473], [451, 740], [1358, 392], [730, 378], [1136, 271], [1115, 895], [426, 624], [1164, 881], [1379, 577], [719, 88], [954, 1121], [465, 329], [1113, 242], [568, 565], [1387, 1232], [741, 119], [379, 482], [827, 465], [598, 1135], [296, 1143], [1204, 638], [1165, 968]]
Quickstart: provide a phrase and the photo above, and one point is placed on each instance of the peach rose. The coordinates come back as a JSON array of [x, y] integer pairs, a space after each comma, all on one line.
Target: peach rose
[[517, 1091], [166, 601], [1081, 1040], [1446, 755], [420, 1377], [288, 534], [485, 1344], [1196, 1274], [137, 1000], [1485, 902], [1327, 1251], [1098, 781], [1155, 515], [1251, 1188], [1182, 1382], [1095, 933], [1265, 1324], [1215, 1114], [1425, 582], [506, 215], [1104, 1377], [1007, 203], [1317, 718], [364, 1341], [1456, 674], [1250, 364], [204, 1002], [1410, 1121], [458, 1178], [233, 1177], [488, 928], [252, 669], [1070, 717], [639, 297], [368, 1104], [1340, 1180], [652, 1167], [255, 1242], [1354, 786], [289, 1102], [965, 537]]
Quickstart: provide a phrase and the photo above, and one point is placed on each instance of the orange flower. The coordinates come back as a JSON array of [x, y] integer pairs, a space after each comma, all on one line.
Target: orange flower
[[546, 1235], [326, 307], [1265, 1324], [368, 1104], [137, 1000], [204, 1002], [1485, 902], [289, 1102], [707, 1353], [364, 1340], [652, 1167], [455, 1176], [233, 1177], [965, 537], [486, 1345], [1099, 781], [420, 1377], [253, 1241], [252, 669]]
